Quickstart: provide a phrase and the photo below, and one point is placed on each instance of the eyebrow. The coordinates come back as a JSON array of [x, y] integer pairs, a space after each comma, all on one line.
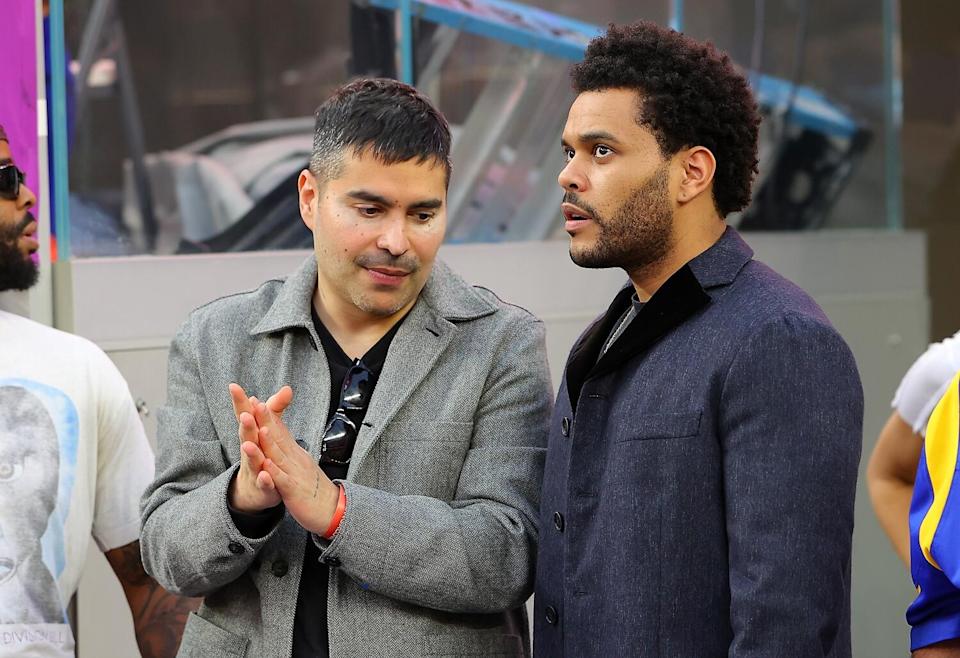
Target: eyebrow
[[593, 136], [363, 195]]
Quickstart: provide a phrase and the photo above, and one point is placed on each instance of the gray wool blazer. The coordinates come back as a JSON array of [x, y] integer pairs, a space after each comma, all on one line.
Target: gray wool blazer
[[435, 553]]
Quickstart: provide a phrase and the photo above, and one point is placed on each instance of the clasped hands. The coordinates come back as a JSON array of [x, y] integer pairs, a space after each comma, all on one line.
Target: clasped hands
[[274, 468]]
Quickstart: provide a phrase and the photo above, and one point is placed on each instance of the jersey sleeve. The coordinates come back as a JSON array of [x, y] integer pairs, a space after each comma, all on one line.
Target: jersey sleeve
[[926, 381]]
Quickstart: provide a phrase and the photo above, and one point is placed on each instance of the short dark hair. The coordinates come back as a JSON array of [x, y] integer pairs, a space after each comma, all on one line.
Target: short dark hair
[[690, 95], [392, 119]]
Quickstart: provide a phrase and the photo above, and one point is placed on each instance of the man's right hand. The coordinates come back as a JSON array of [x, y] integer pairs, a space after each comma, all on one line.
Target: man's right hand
[[252, 490]]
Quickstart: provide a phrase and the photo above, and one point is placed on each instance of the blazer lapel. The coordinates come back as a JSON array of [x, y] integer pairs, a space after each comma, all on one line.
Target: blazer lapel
[[309, 374], [419, 342], [584, 354], [304, 365], [678, 299]]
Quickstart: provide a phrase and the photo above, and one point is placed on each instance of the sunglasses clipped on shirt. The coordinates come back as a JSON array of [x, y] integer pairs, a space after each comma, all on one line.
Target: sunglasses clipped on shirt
[[341, 433], [11, 178]]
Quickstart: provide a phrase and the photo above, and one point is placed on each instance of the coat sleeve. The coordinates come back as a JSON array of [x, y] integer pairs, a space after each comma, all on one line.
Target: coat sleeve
[[475, 553], [791, 433], [189, 541]]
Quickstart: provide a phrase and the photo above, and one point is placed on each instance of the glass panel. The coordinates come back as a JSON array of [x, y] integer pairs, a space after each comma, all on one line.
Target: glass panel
[[221, 99], [836, 50], [196, 115]]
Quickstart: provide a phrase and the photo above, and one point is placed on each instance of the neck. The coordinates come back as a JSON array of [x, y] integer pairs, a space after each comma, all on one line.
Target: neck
[[690, 239], [355, 330]]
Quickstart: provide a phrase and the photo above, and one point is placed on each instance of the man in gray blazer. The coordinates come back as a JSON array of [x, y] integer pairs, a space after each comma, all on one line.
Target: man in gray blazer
[[702, 460], [372, 491]]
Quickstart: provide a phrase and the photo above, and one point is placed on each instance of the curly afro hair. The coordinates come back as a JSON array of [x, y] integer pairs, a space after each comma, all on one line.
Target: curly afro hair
[[690, 94]]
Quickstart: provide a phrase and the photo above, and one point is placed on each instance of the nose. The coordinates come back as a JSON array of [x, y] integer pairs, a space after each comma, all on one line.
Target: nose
[[571, 179], [27, 199], [393, 238]]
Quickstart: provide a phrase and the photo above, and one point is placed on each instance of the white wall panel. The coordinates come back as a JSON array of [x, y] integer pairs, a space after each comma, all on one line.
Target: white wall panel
[[871, 284]]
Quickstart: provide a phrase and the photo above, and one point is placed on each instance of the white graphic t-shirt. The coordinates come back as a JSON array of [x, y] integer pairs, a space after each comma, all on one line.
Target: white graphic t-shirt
[[74, 461]]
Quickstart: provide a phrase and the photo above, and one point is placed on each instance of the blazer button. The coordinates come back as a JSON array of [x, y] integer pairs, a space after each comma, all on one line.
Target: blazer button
[[551, 615], [235, 548], [330, 561], [558, 521], [565, 426], [279, 568]]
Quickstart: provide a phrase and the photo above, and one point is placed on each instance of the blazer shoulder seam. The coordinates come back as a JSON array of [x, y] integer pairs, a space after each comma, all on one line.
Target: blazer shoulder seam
[[241, 293]]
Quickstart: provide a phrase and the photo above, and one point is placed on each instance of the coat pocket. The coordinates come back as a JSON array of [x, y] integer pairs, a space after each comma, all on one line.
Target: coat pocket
[[662, 426], [423, 459], [204, 639]]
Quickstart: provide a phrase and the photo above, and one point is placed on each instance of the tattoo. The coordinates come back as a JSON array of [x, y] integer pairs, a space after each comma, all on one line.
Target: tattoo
[[158, 616], [316, 486], [128, 566]]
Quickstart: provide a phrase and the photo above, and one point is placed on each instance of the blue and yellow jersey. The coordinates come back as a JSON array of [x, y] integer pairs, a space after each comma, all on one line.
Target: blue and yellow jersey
[[935, 528]]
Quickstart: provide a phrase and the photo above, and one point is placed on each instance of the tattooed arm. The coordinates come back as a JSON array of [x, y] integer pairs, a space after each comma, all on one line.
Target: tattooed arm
[[158, 616]]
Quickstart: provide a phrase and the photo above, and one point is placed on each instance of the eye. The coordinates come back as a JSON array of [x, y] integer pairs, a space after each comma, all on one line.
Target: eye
[[423, 216], [567, 154], [10, 471], [7, 569], [602, 151], [368, 211]]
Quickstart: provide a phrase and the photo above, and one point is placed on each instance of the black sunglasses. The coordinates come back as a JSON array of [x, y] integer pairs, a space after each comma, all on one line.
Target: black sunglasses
[[341, 433], [11, 178]]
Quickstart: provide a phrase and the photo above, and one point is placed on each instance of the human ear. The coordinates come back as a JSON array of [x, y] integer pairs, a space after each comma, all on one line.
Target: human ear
[[308, 192], [699, 167]]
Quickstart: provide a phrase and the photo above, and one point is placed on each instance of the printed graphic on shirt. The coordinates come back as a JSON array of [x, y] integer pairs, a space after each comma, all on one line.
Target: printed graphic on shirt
[[38, 453]]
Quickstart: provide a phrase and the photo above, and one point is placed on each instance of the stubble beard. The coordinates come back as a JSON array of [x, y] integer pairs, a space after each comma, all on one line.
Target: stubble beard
[[639, 234], [365, 302]]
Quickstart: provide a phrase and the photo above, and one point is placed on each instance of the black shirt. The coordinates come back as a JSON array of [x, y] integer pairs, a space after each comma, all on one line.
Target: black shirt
[[625, 320], [310, 621]]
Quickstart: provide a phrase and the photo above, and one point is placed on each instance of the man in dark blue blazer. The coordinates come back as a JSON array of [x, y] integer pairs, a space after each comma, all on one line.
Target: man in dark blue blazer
[[699, 486]]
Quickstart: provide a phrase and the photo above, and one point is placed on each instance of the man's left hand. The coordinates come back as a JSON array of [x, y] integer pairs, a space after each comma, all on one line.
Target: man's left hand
[[309, 495]]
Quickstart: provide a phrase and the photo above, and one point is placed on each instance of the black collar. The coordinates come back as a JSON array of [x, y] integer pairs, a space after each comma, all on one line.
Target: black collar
[[679, 298], [374, 357]]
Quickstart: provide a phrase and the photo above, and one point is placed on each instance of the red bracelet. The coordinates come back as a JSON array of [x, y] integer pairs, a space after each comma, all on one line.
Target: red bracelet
[[337, 514]]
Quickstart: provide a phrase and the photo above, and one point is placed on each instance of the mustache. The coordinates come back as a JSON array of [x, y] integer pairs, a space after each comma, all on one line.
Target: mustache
[[571, 197], [406, 262], [22, 226]]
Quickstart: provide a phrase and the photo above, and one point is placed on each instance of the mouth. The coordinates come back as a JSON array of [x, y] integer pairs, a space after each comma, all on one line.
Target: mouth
[[30, 234], [576, 217], [389, 276]]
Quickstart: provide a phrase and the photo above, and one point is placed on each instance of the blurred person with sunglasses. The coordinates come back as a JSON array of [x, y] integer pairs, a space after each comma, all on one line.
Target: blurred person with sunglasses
[[74, 460], [699, 486], [18, 226], [381, 497]]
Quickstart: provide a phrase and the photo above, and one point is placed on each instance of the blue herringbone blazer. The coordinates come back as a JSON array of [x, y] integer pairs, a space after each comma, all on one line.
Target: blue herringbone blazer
[[699, 486]]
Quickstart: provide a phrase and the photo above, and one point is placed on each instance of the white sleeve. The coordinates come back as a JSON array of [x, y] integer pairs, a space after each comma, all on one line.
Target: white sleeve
[[926, 381], [125, 463]]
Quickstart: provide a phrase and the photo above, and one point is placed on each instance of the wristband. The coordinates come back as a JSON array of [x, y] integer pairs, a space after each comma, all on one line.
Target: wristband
[[337, 514]]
